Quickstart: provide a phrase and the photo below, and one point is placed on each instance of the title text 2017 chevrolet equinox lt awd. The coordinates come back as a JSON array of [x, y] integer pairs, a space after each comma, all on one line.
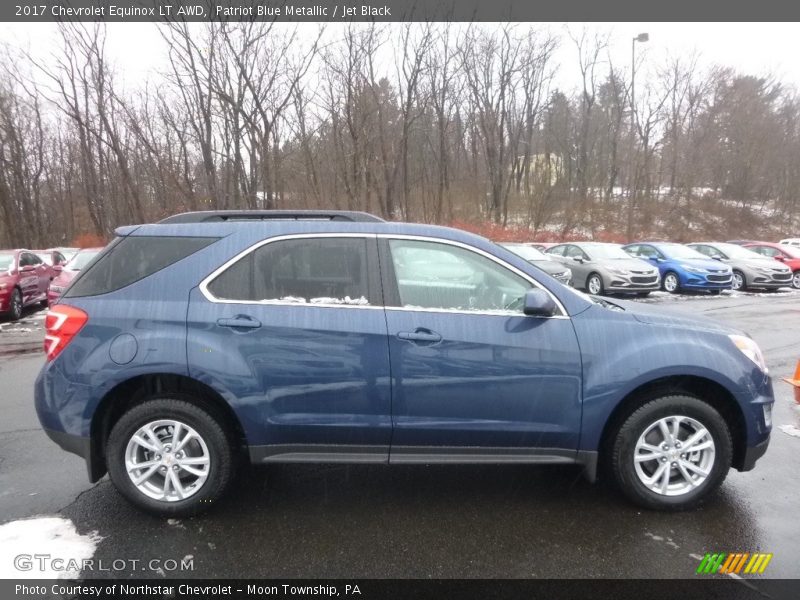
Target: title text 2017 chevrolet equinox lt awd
[[338, 337]]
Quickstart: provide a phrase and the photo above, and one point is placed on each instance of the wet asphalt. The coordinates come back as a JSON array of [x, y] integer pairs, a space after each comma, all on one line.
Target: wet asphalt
[[338, 521]]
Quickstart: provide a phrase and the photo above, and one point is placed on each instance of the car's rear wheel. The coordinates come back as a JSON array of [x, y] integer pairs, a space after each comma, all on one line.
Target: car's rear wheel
[[670, 453], [594, 284], [738, 282], [170, 457], [671, 282], [15, 308]]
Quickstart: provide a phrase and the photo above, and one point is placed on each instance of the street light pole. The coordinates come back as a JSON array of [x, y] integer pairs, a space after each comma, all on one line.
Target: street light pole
[[641, 38]]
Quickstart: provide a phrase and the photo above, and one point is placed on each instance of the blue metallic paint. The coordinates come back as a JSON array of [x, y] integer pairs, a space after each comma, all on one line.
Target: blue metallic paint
[[314, 375], [687, 279]]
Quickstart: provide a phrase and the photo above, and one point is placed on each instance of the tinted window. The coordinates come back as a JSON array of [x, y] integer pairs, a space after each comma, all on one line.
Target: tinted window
[[433, 275], [131, 259], [308, 270]]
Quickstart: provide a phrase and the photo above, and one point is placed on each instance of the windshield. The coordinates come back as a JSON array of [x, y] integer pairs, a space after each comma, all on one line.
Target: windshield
[[81, 259], [734, 251], [608, 251], [526, 252], [680, 251], [6, 261]]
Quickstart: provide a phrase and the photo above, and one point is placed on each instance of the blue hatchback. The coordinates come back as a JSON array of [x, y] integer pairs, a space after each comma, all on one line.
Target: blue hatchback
[[337, 337], [683, 268]]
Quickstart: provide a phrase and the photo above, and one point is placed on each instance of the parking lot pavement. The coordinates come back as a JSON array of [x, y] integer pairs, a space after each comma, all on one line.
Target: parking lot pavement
[[430, 521]]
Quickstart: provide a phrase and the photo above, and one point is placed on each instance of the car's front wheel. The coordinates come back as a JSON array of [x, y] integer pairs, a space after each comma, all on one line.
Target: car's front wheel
[[670, 453], [594, 284], [15, 306], [170, 457], [671, 282], [739, 283], [796, 280]]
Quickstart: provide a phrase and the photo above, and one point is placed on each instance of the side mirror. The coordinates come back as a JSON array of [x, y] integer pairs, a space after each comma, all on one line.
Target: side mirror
[[780, 258], [58, 268], [577, 259], [716, 256], [538, 303]]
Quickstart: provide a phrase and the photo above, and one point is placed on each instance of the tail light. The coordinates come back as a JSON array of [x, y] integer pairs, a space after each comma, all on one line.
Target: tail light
[[61, 324]]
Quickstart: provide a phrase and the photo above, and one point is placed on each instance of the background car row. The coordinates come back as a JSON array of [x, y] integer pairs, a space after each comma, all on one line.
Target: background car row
[[29, 277], [643, 267]]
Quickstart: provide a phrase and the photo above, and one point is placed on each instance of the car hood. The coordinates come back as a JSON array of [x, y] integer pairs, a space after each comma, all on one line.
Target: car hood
[[631, 264], [708, 264], [658, 315], [550, 267], [770, 263]]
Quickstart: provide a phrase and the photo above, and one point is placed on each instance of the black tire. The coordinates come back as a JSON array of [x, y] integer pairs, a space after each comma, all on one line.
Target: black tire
[[796, 280], [624, 440], [677, 287], [599, 279], [15, 307], [743, 287], [218, 441]]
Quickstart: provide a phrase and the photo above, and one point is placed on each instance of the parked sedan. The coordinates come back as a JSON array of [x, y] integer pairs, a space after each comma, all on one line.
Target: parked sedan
[[68, 273], [683, 268], [750, 269], [598, 268], [23, 281], [538, 259], [52, 258], [788, 255]]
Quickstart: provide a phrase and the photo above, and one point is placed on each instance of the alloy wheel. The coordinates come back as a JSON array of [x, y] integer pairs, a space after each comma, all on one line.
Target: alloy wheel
[[167, 460], [796, 280], [674, 455], [595, 285], [16, 305], [738, 280], [671, 282]]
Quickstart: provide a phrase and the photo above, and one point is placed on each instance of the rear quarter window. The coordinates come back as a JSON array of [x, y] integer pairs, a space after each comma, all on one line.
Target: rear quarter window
[[131, 259]]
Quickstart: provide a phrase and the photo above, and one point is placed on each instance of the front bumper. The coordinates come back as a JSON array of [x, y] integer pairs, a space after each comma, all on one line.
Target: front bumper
[[702, 282], [752, 454]]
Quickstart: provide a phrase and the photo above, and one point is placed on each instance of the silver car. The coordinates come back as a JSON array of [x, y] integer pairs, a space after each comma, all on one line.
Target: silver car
[[750, 269], [599, 268], [545, 262]]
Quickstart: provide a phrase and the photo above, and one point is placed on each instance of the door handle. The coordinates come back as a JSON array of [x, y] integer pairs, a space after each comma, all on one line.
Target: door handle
[[420, 335], [240, 321]]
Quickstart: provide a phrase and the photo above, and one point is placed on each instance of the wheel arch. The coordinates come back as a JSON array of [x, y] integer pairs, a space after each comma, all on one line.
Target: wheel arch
[[136, 390], [706, 390]]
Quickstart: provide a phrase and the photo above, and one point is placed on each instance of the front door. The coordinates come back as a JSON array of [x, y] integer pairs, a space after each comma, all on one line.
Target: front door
[[473, 378]]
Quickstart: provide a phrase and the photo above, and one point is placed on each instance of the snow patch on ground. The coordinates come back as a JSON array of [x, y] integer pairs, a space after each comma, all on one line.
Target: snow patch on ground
[[52, 536], [790, 430]]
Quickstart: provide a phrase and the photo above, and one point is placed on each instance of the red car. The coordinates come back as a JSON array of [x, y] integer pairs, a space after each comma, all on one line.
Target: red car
[[52, 258], [788, 255], [69, 271], [24, 278]]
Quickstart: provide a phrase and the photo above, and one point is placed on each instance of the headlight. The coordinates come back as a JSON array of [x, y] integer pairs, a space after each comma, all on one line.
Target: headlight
[[697, 270], [619, 270], [750, 349], [3, 286], [766, 270]]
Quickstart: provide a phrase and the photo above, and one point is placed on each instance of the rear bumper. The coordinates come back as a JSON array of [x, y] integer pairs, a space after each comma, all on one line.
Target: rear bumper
[[83, 447], [752, 454]]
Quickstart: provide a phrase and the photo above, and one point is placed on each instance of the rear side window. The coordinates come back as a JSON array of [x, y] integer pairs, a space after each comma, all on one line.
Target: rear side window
[[132, 259], [307, 270]]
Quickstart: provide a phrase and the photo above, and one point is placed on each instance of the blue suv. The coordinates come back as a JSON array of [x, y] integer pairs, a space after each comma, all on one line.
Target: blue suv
[[682, 267], [336, 337]]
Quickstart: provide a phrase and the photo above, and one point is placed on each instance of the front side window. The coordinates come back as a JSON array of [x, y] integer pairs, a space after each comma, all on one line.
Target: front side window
[[303, 271], [433, 275], [575, 252]]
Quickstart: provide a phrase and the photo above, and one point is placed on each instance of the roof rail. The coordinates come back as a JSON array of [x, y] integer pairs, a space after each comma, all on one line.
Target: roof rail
[[210, 216]]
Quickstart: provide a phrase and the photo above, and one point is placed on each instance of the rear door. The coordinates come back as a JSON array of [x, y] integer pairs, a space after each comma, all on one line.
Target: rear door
[[295, 330], [29, 277], [473, 377]]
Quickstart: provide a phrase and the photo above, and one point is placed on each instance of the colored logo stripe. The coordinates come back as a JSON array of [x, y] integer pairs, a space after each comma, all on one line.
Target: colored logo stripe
[[734, 563]]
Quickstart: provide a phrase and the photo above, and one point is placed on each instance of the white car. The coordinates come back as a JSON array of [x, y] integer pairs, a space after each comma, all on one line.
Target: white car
[[791, 242]]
